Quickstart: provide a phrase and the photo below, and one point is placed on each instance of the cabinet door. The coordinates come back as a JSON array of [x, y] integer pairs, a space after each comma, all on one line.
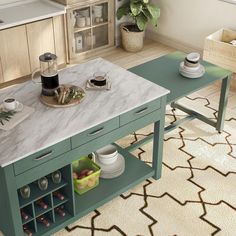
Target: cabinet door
[[1, 72], [40, 40], [14, 53], [60, 38]]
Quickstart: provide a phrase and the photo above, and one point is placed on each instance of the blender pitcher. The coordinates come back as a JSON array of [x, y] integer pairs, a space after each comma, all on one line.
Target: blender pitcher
[[48, 72]]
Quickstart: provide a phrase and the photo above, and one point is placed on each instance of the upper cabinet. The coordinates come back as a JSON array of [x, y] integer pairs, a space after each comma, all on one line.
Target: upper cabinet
[[90, 27], [21, 46], [14, 53]]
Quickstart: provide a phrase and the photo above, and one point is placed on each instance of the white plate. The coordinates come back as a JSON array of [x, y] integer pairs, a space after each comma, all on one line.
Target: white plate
[[190, 69], [114, 175], [192, 75]]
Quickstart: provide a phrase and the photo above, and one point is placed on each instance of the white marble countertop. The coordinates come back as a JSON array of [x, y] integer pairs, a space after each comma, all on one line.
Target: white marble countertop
[[48, 126], [27, 11]]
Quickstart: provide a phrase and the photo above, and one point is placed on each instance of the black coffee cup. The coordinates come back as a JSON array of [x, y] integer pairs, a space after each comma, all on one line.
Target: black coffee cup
[[99, 79]]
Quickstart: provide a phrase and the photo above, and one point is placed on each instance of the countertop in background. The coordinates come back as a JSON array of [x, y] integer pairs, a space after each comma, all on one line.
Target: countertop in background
[[28, 11]]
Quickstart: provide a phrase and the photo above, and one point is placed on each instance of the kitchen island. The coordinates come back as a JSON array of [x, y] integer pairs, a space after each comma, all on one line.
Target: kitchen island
[[51, 139]]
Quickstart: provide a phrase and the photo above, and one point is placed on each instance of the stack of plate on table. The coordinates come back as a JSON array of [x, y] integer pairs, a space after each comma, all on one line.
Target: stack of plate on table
[[190, 67], [111, 162]]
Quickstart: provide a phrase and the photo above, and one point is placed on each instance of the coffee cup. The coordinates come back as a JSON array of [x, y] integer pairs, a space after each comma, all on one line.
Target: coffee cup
[[99, 79], [11, 104]]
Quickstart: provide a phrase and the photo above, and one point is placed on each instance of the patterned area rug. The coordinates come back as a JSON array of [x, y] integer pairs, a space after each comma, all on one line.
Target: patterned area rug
[[196, 194]]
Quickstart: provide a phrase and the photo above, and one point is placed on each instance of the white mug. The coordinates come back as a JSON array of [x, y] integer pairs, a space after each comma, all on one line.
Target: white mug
[[11, 104]]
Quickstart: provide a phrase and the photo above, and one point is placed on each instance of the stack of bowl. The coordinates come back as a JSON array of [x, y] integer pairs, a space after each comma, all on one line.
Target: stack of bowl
[[191, 67], [111, 162]]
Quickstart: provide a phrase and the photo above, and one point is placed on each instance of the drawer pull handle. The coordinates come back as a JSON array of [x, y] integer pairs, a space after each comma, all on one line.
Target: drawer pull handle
[[43, 156], [141, 111], [96, 131]]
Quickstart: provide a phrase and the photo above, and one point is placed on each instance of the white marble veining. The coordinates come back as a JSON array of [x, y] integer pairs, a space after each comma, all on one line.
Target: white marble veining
[[28, 11], [48, 126]]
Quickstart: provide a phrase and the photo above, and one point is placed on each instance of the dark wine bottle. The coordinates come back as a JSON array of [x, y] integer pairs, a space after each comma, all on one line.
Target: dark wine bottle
[[42, 204], [43, 220], [59, 195], [24, 216], [60, 212], [27, 231]]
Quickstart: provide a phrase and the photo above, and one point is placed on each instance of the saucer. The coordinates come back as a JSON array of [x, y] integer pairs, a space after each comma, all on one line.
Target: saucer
[[90, 85]]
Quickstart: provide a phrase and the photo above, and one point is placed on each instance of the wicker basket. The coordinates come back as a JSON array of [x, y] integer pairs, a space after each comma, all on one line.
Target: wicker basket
[[131, 41]]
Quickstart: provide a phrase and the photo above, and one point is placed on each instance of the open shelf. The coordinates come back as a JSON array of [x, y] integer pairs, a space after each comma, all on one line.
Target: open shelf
[[36, 193], [135, 172]]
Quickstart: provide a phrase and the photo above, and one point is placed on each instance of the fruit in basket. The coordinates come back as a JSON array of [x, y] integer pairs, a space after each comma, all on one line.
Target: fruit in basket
[[83, 173], [75, 175], [91, 182]]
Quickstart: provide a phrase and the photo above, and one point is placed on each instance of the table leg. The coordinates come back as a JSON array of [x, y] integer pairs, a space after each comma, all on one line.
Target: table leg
[[158, 142], [223, 103]]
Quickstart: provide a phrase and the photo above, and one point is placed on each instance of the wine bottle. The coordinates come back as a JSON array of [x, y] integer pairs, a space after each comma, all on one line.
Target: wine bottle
[[43, 220], [60, 212], [24, 216], [59, 195], [42, 204], [27, 231]]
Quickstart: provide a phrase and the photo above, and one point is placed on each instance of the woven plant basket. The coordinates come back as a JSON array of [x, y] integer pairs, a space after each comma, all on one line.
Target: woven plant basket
[[131, 41]]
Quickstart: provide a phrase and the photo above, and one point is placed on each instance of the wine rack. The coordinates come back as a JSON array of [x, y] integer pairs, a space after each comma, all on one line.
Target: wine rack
[[44, 209]]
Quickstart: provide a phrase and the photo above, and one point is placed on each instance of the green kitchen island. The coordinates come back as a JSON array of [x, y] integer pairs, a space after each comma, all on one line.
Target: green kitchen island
[[52, 138]]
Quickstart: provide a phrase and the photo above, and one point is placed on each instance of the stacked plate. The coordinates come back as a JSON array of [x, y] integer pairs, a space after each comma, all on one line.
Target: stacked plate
[[190, 67], [111, 162]]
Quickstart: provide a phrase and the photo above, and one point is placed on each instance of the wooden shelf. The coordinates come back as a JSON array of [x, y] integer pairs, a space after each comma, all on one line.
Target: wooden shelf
[[135, 172], [76, 30]]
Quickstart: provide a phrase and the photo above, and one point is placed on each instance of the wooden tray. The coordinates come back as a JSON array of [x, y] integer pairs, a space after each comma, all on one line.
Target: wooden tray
[[52, 102]]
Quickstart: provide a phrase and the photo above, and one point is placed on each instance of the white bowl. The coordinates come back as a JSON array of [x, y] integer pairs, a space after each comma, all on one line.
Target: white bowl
[[107, 155], [193, 57]]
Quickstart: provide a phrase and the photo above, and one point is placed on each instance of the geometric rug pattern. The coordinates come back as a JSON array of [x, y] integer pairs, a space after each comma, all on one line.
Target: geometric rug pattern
[[196, 194]]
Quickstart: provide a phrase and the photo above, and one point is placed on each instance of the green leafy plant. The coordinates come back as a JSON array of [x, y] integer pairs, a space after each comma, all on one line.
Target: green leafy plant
[[6, 116], [141, 11]]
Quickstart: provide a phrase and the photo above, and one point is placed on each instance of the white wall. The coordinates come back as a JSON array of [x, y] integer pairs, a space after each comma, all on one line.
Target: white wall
[[190, 21]]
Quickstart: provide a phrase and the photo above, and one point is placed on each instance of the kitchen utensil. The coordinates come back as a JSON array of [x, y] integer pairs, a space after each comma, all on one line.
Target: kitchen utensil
[[48, 72], [11, 104], [80, 21], [107, 155]]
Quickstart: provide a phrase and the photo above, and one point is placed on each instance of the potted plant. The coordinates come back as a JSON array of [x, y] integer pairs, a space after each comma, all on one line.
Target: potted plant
[[141, 12]]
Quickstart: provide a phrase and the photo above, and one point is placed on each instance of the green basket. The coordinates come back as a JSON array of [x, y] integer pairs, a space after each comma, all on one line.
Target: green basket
[[89, 182]]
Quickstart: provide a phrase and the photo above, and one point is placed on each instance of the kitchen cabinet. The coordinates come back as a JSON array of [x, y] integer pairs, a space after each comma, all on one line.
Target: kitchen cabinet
[[1, 73], [90, 27], [60, 39], [14, 53], [40, 40], [21, 46]]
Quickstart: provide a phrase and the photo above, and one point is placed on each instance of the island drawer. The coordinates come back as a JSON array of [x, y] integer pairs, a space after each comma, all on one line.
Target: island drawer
[[140, 112], [94, 132], [42, 156]]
